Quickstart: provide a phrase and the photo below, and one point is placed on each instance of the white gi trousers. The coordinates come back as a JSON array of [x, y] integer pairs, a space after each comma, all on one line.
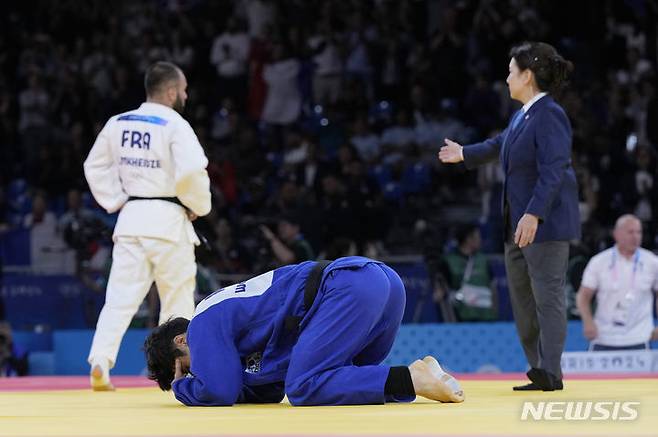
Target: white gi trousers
[[136, 263]]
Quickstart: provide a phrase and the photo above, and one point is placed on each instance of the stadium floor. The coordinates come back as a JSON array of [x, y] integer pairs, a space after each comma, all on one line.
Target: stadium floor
[[62, 406]]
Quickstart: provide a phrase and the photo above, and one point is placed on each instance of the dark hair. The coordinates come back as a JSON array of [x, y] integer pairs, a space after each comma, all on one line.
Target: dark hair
[[159, 74], [550, 68], [161, 353], [465, 231], [292, 218], [338, 247]]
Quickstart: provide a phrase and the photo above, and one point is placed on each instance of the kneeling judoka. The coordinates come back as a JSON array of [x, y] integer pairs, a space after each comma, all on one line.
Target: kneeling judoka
[[316, 332]]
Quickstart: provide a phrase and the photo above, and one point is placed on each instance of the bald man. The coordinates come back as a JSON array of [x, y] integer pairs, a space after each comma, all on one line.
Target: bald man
[[624, 279]]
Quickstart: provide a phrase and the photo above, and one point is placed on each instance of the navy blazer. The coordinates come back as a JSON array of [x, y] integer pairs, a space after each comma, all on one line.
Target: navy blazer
[[539, 178]]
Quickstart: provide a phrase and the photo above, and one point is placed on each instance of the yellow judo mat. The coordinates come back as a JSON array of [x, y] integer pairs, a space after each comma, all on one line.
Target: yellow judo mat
[[491, 409]]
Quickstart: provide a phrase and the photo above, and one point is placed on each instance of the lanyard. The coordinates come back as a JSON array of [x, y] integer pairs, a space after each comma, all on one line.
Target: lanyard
[[613, 266]]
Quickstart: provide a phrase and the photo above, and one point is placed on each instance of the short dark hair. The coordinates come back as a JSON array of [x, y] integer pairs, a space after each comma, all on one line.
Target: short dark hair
[[551, 70], [161, 353], [159, 74], [292, 218], [464, 232]]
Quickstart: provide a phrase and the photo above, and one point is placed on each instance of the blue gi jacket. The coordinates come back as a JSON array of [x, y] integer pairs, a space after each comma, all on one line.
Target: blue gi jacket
[[239, 345]]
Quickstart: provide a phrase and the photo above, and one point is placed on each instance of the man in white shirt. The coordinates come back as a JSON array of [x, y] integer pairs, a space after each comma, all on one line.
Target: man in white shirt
[[624, 279], [149, 164]]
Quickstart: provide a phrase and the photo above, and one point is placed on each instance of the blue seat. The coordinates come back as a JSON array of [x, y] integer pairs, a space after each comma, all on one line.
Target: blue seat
[[393, 191], [15, 247], [417, 178], [381, 111], [382, 174], [16, 188]]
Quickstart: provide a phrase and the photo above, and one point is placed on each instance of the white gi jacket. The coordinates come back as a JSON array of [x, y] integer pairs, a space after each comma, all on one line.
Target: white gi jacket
[[149, 152]]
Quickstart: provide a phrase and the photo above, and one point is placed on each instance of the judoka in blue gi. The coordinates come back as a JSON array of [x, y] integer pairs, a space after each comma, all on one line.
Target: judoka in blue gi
[[316, 332]]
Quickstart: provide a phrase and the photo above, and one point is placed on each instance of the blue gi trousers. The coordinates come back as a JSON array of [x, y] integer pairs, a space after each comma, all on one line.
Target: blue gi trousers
[[336, 360]]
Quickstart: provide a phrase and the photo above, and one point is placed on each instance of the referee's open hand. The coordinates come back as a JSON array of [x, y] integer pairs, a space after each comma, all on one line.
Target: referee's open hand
[[451, 153]]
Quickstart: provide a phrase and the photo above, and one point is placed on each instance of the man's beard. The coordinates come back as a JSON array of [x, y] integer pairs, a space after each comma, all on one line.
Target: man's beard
[[179, 105]]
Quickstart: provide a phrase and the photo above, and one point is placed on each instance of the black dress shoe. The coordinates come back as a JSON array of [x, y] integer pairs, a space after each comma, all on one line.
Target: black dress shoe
[[535, 387], [541, 380], [527, 387]]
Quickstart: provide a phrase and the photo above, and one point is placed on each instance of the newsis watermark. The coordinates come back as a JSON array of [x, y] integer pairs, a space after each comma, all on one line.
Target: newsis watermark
[[580, 410]]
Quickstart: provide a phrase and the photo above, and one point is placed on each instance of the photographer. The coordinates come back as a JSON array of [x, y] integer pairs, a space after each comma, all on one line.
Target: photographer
[[13, 361], [81, 228], [90, 239]]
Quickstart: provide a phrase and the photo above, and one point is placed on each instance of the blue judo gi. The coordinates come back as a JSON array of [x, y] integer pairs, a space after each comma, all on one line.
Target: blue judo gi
[[242, 351]]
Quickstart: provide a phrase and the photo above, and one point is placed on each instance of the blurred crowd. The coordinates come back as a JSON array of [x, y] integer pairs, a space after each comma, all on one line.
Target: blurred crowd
[[322, 118]]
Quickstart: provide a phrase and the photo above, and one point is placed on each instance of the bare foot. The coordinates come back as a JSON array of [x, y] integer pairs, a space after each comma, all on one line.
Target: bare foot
[[100, 381], [430, 381]]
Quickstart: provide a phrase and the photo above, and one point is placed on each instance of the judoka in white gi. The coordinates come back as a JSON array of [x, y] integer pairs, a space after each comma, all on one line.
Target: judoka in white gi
[[148, 164]]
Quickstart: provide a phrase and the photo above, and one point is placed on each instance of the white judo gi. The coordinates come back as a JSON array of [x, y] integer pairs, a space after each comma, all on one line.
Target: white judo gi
[[149, 152]]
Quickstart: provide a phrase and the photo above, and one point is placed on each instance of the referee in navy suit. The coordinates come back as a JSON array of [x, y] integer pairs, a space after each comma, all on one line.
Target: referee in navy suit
[[540, 205]]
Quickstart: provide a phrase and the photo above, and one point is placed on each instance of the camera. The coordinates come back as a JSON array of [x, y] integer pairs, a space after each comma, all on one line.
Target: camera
[[82, 231]]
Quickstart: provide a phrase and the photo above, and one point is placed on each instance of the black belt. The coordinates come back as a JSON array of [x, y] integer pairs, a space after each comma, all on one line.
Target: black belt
[[310, 292], [175, 200]]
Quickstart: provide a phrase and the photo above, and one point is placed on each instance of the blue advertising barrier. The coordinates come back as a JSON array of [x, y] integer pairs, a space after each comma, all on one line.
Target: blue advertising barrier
[[15, 247], [62, 302], [473, 347], [38, 305], [72, 347], [49, 302], [461, 347]]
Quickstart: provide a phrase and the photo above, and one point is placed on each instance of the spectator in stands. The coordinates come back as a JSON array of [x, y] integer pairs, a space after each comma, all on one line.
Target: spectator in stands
[[47, 246], [308, 173], [230, 51], [288, 245], [259, 14], [13, 360], [482, 105], [328, 62], [645, 187], [62, 82], [338, 248], [337, 212], [468, 278], [83, 232], [398, 138], [75, 211], [366, 142], [284, 101], [34, 104], [366, 201], [357, 60], [231, 256], [490, 183], [624, 279]]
